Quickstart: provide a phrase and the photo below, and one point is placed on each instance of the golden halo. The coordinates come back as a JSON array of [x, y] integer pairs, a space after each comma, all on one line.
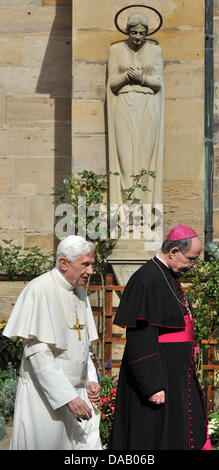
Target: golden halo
[[142, 6]]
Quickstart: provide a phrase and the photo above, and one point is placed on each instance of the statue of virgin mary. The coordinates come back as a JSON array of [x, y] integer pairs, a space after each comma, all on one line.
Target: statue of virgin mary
[[135, 104]]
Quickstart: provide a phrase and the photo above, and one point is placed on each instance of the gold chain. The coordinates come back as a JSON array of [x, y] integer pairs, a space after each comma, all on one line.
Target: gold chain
[[182, 303], [77, 326]]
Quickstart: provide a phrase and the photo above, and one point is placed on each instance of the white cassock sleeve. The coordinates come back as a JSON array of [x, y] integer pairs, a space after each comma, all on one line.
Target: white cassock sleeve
[[49, 375], [92, 374]]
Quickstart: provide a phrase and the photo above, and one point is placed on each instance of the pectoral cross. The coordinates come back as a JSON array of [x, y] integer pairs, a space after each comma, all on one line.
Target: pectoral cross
[[78, 327]]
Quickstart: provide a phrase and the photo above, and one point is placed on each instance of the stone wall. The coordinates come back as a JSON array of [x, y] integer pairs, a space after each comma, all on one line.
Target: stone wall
[[44, 132], [35, 115]]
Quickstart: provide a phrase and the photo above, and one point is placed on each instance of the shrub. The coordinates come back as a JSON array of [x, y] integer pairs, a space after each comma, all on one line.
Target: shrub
[[10, 350], [2, 427], [8, 384], [16, 261]]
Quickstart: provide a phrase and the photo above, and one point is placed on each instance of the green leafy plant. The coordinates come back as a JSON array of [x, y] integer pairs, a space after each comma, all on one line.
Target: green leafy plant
[[213, 428], [16, 261], [8, 388], [7, 393], [203, 292], [10, 352], [129, 193], [2, 426]]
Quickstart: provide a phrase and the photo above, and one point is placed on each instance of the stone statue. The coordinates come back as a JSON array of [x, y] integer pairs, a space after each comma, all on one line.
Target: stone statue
[[135, 106]]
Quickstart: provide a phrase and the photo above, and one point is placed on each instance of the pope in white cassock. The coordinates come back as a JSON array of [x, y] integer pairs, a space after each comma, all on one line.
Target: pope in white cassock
[[58, 390]]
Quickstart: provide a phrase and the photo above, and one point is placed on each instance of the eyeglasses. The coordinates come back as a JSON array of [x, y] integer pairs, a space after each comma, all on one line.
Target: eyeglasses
[[191, 260]]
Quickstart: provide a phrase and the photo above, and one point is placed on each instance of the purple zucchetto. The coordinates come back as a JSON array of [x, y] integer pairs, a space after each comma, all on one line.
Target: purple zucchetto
[[180, 232]]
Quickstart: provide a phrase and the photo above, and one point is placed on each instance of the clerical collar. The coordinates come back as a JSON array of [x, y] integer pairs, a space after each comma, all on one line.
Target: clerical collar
[[158, 257], [167, 268], [70, 287]]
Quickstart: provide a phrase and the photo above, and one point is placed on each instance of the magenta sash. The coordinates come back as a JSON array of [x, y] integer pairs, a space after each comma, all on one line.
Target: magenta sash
[[186, 335]]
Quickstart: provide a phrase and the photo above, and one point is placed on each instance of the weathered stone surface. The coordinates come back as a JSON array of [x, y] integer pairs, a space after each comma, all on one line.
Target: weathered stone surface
[[2, 111], [9, 292], [179, 160], [20, 3], [88, 117], [216, 161], [184, 203], [6, 306], [177, 13], [45, 242], [216, 225], [184, 80], [33, 176], [11, 288], [216, 7], [117, 351], [47, 51], [35, 20], [95, 14], [57, 2], [14, 213], [184, 116], [216, 194], [33, 142], [36, 111], [16, 237], [49, 81], [10, 51], [41, 214], [182, 45], [89, 152], [93, 46], [89, 81], [6, 172], [38, 176]]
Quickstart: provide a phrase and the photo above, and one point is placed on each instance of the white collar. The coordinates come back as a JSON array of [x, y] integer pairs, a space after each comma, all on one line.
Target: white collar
[[62, 277], [157, 256]]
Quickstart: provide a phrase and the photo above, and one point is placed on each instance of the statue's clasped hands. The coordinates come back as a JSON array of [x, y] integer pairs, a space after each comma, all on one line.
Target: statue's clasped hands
[[135, 74]]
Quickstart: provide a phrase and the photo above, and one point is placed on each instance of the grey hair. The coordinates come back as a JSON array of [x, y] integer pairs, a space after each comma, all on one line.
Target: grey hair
[[183, 245], [72, 247], [136, 18]]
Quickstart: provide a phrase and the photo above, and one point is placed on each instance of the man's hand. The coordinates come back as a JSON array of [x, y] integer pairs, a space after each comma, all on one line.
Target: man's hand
[[93, 392], [158, 398], [80, 409]]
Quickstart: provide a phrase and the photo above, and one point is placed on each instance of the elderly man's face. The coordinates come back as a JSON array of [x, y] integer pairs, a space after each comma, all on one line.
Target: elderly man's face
[[180, 262], [77, 272]]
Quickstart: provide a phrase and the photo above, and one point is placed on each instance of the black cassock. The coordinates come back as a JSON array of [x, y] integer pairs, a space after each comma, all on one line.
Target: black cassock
[[152, 304]]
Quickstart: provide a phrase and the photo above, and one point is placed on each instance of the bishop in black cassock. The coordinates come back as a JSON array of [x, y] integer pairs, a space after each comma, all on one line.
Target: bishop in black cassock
[[159, 402]]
